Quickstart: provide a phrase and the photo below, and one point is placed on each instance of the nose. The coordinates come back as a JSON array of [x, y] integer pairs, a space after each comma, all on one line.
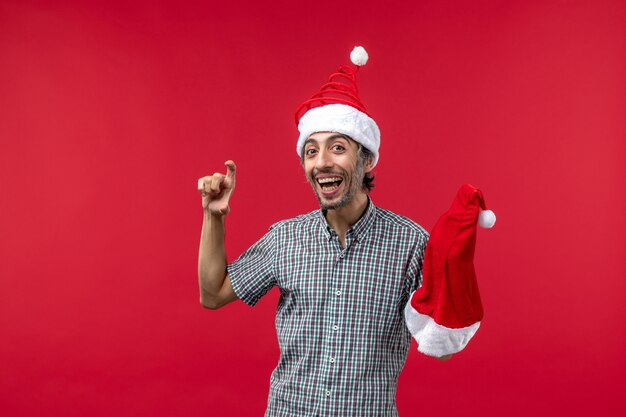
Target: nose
[[323, 160]]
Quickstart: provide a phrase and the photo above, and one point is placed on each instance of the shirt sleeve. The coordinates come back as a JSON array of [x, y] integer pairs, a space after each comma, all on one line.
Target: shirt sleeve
[[252, 274], [417, 262]]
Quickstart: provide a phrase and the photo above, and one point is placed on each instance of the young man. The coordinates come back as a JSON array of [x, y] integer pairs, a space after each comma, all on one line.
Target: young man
[[345, 272]]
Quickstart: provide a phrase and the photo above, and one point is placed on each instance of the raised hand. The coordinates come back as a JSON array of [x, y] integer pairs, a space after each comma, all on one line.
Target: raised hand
[[216, 190]]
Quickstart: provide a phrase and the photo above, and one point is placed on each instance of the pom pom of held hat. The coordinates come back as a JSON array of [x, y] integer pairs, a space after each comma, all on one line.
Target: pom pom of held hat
[[444, 313], [486, 219]]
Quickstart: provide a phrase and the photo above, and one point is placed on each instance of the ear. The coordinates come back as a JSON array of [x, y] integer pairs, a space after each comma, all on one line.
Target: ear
[[369, 164]]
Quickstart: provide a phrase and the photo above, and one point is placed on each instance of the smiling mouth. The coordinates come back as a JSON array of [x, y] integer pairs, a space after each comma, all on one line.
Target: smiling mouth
[[329, 184]]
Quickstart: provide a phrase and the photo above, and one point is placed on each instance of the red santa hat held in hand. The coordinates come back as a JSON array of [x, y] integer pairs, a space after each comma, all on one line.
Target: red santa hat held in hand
[[445, 312]]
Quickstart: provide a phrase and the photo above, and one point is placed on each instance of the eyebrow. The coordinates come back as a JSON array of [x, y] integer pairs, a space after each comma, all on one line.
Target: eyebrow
[[331, 137]]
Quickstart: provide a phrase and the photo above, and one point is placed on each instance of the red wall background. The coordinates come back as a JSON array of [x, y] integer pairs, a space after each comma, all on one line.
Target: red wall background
[[110, 111]]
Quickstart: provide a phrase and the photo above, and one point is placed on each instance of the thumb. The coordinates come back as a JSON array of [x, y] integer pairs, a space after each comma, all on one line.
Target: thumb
[[231, 169]]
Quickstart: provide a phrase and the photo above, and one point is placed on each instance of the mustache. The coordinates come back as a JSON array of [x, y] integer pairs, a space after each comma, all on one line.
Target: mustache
[[316, 172]]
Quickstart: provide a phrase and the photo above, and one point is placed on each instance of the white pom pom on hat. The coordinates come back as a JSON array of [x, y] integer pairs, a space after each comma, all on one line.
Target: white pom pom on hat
[[359, 56], [486, 219]]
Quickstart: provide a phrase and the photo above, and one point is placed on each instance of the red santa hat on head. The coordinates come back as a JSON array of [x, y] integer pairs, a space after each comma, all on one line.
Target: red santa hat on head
[[336, 107], [446, 311]]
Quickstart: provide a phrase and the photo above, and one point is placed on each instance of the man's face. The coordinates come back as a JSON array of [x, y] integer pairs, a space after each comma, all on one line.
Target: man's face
[[333, 168]]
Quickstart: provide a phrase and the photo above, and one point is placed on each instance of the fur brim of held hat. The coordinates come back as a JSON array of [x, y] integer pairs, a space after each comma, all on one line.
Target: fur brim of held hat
[[432, 338], [340, 118]]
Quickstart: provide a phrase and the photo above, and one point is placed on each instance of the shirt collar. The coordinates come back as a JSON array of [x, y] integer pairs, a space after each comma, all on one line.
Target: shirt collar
[[360, 228]]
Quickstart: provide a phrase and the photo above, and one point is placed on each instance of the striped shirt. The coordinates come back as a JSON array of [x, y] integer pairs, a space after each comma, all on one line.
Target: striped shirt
[[339, 322]]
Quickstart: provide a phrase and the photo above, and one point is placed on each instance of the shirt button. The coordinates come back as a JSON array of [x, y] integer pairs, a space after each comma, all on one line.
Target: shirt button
[[328, 393], [335, 327], [338, 292], [332, 360]]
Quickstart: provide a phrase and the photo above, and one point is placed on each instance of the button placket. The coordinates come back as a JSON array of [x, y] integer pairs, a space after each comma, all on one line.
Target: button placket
[[336, 305]]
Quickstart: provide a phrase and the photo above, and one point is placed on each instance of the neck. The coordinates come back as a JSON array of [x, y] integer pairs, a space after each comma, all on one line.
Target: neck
[[343, 218]]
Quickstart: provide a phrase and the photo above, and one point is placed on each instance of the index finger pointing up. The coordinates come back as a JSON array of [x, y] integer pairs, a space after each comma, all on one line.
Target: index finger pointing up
[[231, 169]]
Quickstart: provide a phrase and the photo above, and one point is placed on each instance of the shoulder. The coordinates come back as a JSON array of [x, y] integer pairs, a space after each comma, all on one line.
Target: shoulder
[[400, 223], [303, 221], [395, 227]]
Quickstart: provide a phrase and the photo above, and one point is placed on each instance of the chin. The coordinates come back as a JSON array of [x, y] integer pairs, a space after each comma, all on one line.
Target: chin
[[333, 205]]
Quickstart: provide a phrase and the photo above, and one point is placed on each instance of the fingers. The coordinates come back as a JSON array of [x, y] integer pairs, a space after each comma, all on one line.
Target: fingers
[[211, 184], [214, 185], [216, 182], [231, 169]]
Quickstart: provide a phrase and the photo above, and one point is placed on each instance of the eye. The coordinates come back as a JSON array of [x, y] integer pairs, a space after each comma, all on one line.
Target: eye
[[337, 147], [310, 151]]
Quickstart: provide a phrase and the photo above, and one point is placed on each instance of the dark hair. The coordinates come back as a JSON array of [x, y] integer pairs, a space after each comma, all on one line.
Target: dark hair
[[365, 155]]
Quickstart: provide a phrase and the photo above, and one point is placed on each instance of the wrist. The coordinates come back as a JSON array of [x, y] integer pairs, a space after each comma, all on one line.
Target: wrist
[[212, 215]]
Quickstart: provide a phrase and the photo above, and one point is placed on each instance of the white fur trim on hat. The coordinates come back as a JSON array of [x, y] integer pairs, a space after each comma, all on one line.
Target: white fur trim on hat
[[434, 339], [340, 118]]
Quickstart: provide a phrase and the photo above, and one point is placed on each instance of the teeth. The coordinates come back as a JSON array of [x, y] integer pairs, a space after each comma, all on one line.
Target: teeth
[[327, 180]]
